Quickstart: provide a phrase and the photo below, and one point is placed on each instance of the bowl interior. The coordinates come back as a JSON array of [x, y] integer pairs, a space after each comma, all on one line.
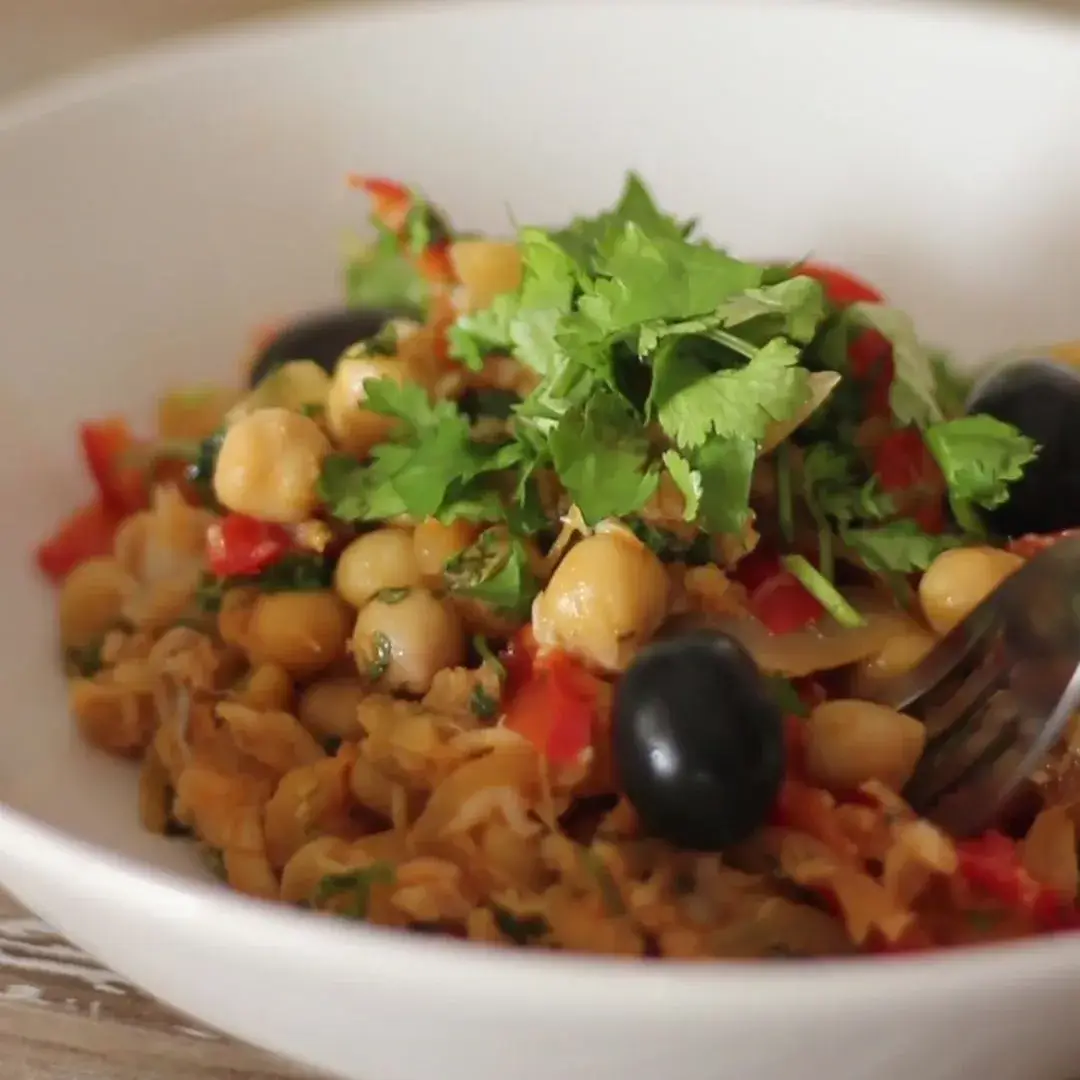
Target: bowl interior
[[151, 218]]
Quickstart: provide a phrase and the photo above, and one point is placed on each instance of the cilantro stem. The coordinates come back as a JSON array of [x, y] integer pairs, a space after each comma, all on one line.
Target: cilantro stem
[[785, 504], [825, 553], [823, 591], [735, 344]]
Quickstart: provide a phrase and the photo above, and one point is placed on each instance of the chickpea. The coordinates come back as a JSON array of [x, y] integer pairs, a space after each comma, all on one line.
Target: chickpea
[[404, 644], [435, 543], [485, 269], [353, 428], [957, 581], [850, 742], [378, 560], [901, 653], [269, 465], [302, 632], [606, 598], [330, 707], [91, 600]]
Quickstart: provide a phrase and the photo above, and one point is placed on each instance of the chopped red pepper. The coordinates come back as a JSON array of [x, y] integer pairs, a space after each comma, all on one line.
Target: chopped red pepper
[[556, 708], [434, 263], [812, 811], [777, 598], [991, 863], [108, 446], [841, 288], [904, 465], [390, 200], [783, 605], [87, 534], [244, 545], [1027, 547]]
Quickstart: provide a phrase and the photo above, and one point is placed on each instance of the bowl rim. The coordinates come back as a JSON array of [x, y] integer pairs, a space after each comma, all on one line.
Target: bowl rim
[[600, 984]]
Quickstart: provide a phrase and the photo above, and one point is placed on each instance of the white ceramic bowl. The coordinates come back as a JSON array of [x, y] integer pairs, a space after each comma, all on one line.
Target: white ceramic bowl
[[152, 215]]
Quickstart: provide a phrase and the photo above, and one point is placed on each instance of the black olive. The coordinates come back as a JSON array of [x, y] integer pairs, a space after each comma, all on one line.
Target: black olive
[[321, 337], [1042, 399], [698, 741]]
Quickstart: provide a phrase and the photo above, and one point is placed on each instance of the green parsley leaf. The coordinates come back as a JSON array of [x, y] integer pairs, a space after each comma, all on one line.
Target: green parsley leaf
[[520, 929], [900, 547], [209, 593], [299, 571], [823, 591], [953, 387], [601, 454], [494, 570], [200, 473], [595, 867], [980, 456], [692, 403], [669, 547], [392, 596], [913, 396], [356, 886]]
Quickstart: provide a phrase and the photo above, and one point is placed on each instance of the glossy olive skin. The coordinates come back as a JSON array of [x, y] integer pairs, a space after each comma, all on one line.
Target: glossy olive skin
[[321, 337], [698, 741], [1042, 399]]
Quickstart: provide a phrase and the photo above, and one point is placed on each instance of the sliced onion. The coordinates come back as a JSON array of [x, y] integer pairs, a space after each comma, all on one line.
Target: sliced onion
[[823, 647]]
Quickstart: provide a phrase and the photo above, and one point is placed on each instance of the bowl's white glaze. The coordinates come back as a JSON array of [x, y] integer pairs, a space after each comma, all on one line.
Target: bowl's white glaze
[[150, 216]]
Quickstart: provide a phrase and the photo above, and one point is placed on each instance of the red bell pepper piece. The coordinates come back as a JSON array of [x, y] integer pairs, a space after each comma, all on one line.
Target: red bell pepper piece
[[556, 708], [783, 605], [87, 534], [108, 447], [777, 598], [904, 465], [390, 200], [434, 263], [841, 288], [241, 545], [1027, 547], [991, 863]]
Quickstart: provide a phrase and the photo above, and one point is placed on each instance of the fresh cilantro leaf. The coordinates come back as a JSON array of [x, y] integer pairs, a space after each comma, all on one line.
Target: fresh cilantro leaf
[[424, 225], [900, 547], [209, 593], [601, 454], [584, 237], [692, 403], [482, 705], [670, 547], [794, 308], [523, 324], [487, 657], [424, 470], [823, 591], [384, 343], [85, 660], [726, 467], [200, 473], [980, 456], [832, 490], [595, 867], [687, 479], [295, 572], [913, 396], [331, 744], [787, 697], [642, 279], [520, 929], [494, 570], [383, 652], [382, 276], [392, 596], [356, 886]]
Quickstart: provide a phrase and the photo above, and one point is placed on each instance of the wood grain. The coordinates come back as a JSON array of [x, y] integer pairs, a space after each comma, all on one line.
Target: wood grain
[[63, 1016]]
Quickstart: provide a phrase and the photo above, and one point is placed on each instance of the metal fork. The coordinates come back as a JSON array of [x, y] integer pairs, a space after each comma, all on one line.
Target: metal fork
[[995, 694]]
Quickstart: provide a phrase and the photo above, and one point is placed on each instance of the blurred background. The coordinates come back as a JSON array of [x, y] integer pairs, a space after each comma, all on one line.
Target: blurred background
[[39, 38]]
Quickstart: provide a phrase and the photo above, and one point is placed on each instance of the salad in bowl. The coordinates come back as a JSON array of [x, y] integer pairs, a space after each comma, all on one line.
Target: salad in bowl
[[538, 598]]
